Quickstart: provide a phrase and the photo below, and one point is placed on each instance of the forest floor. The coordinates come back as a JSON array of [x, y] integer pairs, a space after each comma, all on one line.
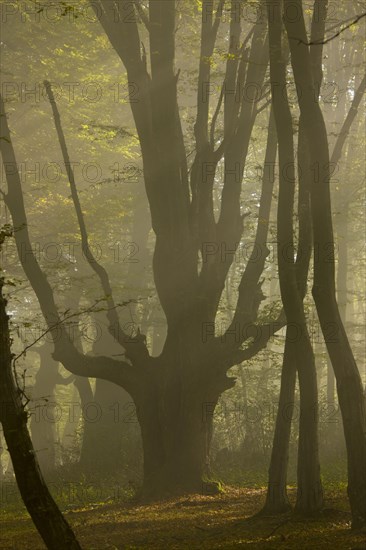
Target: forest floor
[[221, 521]]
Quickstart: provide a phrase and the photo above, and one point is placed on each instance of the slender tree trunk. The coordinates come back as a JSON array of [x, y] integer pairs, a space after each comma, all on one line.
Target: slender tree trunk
[[86, 397], [277, 500], [309, 495], [1, 455], [109, 414], [330, 382], [42, 423], [109, 419], [70, 450], [50, 523], [349, 385]]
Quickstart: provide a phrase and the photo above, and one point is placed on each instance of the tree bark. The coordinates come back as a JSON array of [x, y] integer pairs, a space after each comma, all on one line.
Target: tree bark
[[309, 495], [349, 385], [175, 411], [50, 523], [42, 425]]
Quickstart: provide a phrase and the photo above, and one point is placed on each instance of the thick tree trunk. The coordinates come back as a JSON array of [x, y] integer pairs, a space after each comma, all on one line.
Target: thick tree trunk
[[175, 457], [45, 514], [175, 410]]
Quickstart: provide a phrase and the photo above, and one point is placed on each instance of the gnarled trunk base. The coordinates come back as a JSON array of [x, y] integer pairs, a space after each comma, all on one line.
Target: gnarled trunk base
[[176, 416]]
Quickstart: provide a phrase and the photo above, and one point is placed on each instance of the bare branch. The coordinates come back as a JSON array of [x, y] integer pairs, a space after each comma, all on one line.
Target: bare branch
[[136, 347], [337, 151], [267, 331], [62, 321], [215, 115], [218, 16], [341, 30], [119, 372]]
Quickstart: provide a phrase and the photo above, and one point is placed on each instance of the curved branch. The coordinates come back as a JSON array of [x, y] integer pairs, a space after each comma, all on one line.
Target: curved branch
[[136, 347], [337, 151], [118, 372], [267, 331], [341, 30]]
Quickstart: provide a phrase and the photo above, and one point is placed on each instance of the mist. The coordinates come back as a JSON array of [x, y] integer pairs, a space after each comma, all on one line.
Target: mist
[[182, 310]]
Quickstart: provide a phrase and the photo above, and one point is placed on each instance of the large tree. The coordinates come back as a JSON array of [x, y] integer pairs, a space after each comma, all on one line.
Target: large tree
[[176, 392]]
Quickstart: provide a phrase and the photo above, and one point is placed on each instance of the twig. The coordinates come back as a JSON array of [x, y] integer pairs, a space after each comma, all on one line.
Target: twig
[[321, 42], [91, 309], [277, 527]]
